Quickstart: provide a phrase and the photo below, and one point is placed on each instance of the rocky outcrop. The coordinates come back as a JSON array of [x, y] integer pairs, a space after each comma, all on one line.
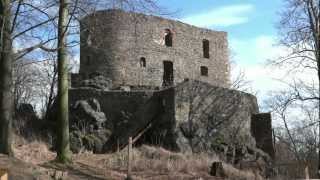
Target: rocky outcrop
[[193, 116], [89, 128], [206, 115], [246, 158], [91, 141], [133, 125], [87, 115]]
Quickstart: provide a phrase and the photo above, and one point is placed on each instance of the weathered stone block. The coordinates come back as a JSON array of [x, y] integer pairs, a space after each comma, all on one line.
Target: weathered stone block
[[261, 129], [216, 170]]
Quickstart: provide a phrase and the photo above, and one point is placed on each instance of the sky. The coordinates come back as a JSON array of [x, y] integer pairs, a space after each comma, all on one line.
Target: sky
[[252, 33]]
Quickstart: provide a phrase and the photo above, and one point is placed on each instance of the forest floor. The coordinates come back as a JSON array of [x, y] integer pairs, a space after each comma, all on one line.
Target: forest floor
[[34, 160]]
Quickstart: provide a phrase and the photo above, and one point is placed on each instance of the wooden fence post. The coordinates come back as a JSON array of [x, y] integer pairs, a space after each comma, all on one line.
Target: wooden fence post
[[129, 158], [306, 170], [118, 147]]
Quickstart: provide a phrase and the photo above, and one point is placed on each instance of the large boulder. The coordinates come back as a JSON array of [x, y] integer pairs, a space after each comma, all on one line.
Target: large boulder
[[87, 115], [89, 127], [88, 141]]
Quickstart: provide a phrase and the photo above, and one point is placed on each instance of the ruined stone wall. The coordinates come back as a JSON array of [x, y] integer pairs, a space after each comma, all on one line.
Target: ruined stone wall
[[210, 115], [262, 132], [131, 112], [193, 116], [113, 43], [113, 103]]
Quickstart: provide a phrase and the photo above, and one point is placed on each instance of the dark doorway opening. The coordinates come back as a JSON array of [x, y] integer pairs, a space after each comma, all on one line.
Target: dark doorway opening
[[167, 73]]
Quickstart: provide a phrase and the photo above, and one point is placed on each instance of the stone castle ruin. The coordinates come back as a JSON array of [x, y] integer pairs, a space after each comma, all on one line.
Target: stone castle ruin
[[147, 51], [163, 80]]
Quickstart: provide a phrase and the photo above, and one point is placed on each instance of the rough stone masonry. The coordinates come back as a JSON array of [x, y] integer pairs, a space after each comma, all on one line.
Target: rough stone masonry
[[141, 72], [139, 50]]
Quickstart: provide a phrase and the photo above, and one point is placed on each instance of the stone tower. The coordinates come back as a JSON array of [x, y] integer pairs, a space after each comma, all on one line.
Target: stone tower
[[141, 50]]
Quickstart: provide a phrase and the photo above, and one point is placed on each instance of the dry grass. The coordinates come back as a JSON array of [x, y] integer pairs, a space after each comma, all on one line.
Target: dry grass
[[156, 162], [35, 152], [147, 162], [234, 173]]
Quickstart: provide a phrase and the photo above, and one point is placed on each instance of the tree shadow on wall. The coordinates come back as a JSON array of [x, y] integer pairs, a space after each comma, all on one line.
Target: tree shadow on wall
[[216, 116]]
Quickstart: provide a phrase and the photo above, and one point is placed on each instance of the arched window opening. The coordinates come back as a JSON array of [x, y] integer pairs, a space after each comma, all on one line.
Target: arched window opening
[[168, 37], [143, 62], [205, 46], [204, 71]]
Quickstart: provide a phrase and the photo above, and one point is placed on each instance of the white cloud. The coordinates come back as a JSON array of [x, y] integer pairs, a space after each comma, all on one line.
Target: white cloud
[[222, 16], [256, 50], [251, 56]]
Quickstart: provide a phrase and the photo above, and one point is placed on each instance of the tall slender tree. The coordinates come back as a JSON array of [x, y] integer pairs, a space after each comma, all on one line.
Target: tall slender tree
[[64, 153], [6, 100]]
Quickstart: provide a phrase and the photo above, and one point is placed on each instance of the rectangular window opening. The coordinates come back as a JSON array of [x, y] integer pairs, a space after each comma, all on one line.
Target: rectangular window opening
[[204, 71], [206, 48]]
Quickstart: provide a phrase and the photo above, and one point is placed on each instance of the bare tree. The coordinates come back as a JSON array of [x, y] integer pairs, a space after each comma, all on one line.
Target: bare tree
[[300, 33], [239, 79], [30, 26], [19, 20], [6, 103], [297, 141], [69, 13]]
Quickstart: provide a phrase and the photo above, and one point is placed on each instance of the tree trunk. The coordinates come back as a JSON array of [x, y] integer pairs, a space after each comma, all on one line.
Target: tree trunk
[[63, 152], [6, 100], [318, 66]]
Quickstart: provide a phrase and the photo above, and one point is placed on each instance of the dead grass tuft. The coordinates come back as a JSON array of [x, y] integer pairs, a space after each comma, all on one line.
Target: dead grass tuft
[[35, 152], [150, 161], [237, 174]]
